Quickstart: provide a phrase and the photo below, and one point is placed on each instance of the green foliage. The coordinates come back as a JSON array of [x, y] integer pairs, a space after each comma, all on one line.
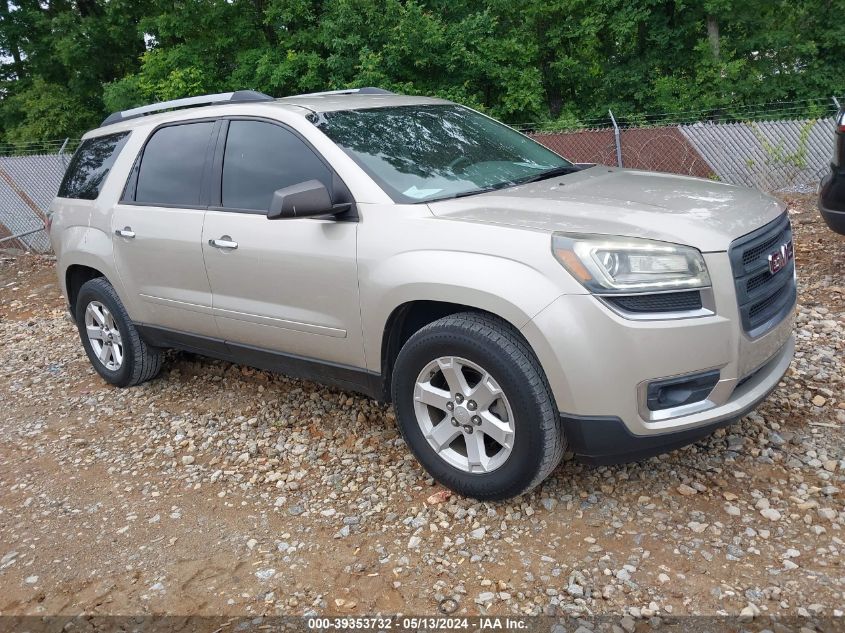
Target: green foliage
[[778, 154], [46, 111], [65, 65]]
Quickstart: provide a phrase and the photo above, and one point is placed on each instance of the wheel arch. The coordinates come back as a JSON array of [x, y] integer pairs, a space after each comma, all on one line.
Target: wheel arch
[[76, 275], [411, 316], [86, 254], [437, 282]]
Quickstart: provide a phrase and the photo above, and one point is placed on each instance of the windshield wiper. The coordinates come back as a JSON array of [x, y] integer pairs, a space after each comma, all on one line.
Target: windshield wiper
[[474, 192], [563, 170], [549, 173]]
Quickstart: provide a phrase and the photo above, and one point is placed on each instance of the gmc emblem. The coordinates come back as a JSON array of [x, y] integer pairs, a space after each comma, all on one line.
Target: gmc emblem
[[780, 258]]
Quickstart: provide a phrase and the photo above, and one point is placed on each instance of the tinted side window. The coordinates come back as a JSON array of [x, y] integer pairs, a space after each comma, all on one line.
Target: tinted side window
[[172, 165], [90, 165], [260, 158]]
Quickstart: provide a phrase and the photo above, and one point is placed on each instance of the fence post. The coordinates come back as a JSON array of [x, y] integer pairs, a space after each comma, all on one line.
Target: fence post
[[62, 152], [836, 103], [617, 138]]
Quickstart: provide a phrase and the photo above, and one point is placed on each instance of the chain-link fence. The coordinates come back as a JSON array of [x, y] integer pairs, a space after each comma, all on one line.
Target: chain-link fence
[[27, 186], [656, 149], [768, 155], [767, 147]]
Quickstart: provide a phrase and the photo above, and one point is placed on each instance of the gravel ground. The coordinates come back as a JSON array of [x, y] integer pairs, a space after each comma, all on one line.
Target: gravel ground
[[219, 489]]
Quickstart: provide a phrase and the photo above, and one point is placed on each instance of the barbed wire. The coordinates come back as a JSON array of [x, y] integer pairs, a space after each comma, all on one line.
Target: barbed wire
[[821, 107], [27, 148]]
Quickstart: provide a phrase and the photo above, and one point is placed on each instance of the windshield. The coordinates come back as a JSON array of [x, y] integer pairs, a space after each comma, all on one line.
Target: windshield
[[429, 152]]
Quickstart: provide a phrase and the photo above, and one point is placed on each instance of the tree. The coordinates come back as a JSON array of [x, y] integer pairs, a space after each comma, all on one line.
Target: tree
[[64, 64]]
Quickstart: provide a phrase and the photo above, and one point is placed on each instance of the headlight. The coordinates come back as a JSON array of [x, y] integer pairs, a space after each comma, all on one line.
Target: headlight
[[605, 264]]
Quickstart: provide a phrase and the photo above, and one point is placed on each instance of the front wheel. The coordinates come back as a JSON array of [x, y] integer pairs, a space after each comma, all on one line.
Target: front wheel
[[475, 408]]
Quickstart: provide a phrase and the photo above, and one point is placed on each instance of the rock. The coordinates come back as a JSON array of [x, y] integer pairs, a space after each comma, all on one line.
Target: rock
[[414, 542], [686, 491], [574, 590], [478, 533], [829, 514], [485, 597], [343, 532], [628, 624], [776, 440], [265, 574], [819, 401], [31, 580], [187, 460], [750, 612], [771, 514]]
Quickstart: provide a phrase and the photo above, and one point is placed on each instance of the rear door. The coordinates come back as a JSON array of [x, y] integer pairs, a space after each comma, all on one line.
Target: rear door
[[291, 285], [157, 229]]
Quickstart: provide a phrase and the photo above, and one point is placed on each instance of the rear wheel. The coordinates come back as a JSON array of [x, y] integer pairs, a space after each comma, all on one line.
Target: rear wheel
[[110, 339], [474, 406]]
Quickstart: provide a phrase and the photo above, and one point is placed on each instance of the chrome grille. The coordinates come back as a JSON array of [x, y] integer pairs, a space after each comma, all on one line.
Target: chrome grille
[[764, 298]]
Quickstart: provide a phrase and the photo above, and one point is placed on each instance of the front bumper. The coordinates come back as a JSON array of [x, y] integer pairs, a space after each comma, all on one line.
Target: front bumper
[[598, 363], [607, 440], [832, 200]]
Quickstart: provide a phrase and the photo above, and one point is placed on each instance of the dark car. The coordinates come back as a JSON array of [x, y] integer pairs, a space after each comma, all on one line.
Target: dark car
[[832, 191]]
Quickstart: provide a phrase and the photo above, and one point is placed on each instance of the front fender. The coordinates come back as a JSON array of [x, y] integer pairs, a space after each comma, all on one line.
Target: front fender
[[508, 288]]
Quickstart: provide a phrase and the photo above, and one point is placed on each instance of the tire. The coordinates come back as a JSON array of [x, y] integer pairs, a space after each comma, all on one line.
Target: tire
[[526, 417], [139, 362]]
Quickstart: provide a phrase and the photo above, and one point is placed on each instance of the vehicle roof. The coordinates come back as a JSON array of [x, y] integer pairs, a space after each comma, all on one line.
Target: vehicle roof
[[297, 104]]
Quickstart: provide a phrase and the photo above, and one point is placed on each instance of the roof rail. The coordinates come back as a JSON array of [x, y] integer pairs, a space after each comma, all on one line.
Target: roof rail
[[238, 96], [366, 90]]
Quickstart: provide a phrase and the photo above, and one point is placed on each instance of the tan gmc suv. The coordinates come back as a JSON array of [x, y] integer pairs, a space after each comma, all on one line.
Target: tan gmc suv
[[510, 304]]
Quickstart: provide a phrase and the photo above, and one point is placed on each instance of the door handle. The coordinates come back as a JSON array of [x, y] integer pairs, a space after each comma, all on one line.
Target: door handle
[[126, 231], [223, 242]]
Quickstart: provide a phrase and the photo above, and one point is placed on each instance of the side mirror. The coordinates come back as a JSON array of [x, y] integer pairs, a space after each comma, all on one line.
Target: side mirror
[[304, 200]]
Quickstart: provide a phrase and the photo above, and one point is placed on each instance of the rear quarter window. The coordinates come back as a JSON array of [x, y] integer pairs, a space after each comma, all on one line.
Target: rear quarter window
[[90, 165]]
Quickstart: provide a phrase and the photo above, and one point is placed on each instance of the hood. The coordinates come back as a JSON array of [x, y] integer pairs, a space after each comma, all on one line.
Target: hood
[[701, 213]]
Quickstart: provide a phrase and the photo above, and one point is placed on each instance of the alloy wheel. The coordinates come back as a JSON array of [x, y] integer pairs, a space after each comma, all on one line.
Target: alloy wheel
[[103, 335], [464, 414]]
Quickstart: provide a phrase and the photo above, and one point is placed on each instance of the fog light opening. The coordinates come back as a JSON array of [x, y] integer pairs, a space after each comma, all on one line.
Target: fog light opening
[[676, 392]]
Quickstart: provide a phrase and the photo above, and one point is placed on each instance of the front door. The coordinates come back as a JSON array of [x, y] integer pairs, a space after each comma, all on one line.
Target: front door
[[157, 232], [289, 286]]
